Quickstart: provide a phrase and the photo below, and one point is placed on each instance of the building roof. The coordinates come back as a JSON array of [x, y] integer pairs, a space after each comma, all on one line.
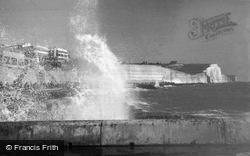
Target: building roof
[[189, 68], [42, 48]]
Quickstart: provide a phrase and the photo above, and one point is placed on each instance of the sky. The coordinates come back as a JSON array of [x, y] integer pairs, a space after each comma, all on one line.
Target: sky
[[137, 30]]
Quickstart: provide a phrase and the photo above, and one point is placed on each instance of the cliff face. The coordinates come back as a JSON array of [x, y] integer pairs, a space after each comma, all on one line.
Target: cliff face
[[59, 75], [180, 77], [145, 73], [37, 75], [214, 73], [8, 75], [156, 73]]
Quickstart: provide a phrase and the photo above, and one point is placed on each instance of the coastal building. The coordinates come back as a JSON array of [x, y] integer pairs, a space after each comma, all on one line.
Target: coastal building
[[28, 61], [61, 55]]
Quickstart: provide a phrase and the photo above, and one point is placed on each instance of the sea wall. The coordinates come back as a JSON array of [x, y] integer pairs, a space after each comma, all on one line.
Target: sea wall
[[77, 132], [132, 132]]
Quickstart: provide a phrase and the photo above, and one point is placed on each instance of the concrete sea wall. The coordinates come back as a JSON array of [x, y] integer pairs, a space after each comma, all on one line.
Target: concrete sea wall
[[132, 132]]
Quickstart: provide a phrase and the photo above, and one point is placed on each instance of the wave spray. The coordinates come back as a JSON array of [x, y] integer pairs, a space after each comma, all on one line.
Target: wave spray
[[103, 87]]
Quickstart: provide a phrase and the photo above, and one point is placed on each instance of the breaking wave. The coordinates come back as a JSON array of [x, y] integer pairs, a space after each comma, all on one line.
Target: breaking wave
[[103, 93]]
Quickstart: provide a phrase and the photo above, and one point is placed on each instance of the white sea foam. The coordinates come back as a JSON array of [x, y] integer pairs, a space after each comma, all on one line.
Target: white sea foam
[[103, 94]]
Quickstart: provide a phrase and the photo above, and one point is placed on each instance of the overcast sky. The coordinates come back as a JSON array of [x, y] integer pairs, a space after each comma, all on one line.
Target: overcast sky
[[138, 30]]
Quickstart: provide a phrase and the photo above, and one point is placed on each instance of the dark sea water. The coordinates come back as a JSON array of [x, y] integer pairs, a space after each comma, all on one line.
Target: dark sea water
[[211, 100]]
